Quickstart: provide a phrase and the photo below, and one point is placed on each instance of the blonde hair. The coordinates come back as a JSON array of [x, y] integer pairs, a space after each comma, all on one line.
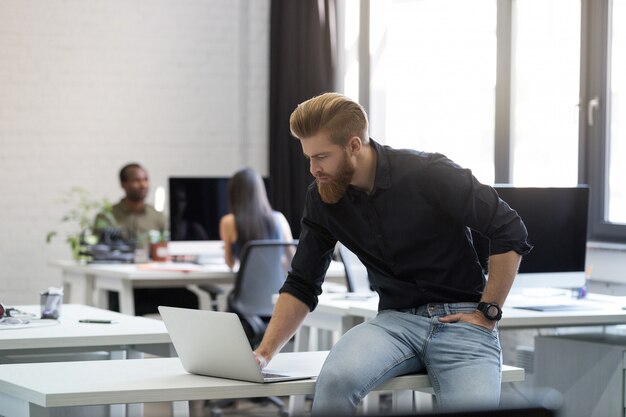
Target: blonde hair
[[332, 113]]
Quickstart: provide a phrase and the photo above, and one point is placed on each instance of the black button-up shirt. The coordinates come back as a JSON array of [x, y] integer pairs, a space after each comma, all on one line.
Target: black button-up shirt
[[411, 232]]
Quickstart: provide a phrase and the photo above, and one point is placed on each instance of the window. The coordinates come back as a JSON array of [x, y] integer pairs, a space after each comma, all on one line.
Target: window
[[529, 92], [616, 192], [545, 89], [434, 61], [347, 79]]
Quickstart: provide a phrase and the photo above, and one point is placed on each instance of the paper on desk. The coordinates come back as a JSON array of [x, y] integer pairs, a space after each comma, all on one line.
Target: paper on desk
[[25, 324], [170, 266]]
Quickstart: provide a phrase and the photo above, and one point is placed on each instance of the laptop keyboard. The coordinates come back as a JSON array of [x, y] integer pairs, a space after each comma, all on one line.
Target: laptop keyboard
[[270, 375]]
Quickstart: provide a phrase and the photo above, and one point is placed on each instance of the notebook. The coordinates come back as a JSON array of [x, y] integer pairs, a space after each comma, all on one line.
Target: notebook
[[213, 343]]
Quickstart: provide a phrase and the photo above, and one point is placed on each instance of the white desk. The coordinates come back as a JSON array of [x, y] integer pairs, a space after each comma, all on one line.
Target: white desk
[[338, 314], [129, 333], [88, 284], [52, 340], [602, 310], [36, 390]]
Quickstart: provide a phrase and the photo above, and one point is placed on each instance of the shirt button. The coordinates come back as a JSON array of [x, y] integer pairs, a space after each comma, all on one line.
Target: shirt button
[[379, 235]]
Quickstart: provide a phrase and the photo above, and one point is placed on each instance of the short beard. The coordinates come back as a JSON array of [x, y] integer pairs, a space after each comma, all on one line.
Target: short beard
[[135, 197], [332, 191]]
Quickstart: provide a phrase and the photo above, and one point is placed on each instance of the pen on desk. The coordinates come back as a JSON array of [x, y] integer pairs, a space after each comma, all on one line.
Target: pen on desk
[[100, 321]]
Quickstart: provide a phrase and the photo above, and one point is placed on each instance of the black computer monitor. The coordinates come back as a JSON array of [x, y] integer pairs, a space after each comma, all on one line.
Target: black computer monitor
[[556, 219], [196, 206]]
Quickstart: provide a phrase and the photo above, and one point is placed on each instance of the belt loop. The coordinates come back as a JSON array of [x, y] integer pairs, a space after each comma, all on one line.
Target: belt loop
[[446, 308]]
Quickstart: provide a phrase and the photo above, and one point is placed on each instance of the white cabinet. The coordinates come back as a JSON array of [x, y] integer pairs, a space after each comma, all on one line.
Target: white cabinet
[[588, 369]]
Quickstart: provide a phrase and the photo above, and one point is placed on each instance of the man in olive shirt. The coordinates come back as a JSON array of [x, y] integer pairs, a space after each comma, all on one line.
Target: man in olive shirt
[[137, 219], [132, 213]]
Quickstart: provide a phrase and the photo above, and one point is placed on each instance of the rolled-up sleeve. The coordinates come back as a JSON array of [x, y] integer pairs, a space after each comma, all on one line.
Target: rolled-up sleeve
[[311, 261], [507, 231]]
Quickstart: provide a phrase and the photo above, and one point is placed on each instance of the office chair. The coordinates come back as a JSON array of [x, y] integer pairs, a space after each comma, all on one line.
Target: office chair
[[357, 279], [262, 272]]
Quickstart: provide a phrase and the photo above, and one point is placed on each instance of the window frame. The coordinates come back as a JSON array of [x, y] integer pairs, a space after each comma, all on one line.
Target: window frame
[[596, 30]]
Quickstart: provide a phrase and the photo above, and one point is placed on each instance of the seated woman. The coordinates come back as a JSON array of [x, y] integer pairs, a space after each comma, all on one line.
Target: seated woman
[[251, 217]]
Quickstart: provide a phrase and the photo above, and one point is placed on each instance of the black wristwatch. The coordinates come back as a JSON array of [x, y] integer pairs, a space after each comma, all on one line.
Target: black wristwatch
[[491, 311]]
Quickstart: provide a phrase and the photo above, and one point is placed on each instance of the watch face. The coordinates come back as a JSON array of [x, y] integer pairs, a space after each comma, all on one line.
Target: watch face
[[492, 311]]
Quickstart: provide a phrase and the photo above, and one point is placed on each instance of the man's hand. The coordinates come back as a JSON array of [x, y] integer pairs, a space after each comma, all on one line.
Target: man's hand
[[289, 313], [475, 318], [260, 360]]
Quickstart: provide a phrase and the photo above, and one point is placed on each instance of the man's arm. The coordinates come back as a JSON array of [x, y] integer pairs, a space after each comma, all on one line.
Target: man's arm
[[502, 270], [289, 313]]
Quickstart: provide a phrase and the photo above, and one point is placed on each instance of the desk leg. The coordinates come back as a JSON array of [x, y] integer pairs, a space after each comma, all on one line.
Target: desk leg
[[127, 299], [123, 286], [301, 343], [180, 408], [14, 407], [78, 288], [325, 339], [402, 402], [371, 403], [423, 401], [296, 405]]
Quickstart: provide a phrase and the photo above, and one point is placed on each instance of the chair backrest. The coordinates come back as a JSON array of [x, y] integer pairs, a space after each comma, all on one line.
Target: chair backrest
[[262, 272], [356, 274]]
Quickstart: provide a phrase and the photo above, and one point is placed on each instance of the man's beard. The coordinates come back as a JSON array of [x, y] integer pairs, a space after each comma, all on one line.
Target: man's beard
[[332, 191], [136, 196]]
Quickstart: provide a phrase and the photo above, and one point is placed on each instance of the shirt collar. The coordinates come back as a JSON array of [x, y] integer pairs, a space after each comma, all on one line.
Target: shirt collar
[[382, 179], [126, 210], [383, 174]]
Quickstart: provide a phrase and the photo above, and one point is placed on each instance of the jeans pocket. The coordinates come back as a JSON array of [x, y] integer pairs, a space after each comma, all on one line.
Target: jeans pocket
[[493, 333]]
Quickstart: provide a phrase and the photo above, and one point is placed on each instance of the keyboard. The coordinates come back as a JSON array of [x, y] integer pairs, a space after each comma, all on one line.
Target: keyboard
[[270, 375]]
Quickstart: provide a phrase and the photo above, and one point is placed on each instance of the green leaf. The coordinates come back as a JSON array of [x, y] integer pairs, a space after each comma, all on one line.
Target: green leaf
[[50, 235]]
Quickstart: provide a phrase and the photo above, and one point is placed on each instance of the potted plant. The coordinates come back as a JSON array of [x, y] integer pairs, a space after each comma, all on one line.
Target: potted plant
[[81, 214]]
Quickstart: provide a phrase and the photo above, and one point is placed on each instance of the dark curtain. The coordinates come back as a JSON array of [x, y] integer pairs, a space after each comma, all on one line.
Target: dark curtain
[[302, 55]]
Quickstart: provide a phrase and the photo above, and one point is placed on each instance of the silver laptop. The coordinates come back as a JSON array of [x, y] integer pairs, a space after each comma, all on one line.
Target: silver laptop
[[213, 343]]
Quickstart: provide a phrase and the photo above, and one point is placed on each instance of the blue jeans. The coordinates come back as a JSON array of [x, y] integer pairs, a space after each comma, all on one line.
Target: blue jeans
[[463, 360]]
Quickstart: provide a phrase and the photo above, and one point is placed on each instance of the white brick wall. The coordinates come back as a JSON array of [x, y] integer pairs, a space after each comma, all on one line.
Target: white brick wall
[[86, 86]]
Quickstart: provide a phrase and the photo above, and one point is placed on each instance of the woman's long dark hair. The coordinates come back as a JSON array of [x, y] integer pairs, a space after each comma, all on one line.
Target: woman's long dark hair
[[247, 201]]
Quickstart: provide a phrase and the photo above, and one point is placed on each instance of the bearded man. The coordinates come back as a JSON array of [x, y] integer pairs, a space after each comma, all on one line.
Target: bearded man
[[406, 215]]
